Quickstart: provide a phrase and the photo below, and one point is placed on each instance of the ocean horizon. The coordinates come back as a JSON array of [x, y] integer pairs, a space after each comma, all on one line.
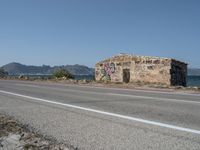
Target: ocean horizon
[[193, 81]]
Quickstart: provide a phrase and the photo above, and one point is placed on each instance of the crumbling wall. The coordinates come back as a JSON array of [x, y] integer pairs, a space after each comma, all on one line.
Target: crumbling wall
[[178, 73], [142, 69], [108, 71], [152, 70], [112, 69]]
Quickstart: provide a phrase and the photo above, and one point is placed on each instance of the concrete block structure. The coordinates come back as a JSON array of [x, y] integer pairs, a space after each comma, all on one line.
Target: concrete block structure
[[145, 69]]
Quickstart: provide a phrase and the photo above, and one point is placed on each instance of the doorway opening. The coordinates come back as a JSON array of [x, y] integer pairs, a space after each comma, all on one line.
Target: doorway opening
[[126, 75]]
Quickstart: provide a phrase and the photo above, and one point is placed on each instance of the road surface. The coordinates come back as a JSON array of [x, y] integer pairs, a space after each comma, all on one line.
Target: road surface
[[97, 118]]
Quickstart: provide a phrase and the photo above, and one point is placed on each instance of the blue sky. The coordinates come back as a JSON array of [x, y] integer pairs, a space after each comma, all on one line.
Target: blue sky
[[59, 32]]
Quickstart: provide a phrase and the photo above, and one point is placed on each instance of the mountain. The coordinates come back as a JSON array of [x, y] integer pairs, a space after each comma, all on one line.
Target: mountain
[[18, 69], [193, 71], [3, 73]]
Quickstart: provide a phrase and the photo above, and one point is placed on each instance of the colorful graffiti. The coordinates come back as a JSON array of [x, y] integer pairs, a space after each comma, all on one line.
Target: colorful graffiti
[[108, 71]]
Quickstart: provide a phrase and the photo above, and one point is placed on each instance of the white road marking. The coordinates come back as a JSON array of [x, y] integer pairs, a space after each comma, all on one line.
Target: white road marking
[[154, 98], [147, 90], [170, 92], [154, 90], [60, 89], [28, 85], [115, 94], [107, 113]]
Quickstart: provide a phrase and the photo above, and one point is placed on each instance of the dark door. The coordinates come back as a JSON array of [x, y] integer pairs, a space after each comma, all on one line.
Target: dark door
[[126, 75]]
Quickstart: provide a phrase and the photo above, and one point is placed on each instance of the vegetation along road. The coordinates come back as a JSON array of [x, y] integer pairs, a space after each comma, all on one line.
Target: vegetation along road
[[105, 118]]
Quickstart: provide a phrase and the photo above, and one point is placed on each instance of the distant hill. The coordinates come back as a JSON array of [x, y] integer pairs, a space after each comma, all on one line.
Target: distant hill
[[18, 69], [194, 72], [3, 73]]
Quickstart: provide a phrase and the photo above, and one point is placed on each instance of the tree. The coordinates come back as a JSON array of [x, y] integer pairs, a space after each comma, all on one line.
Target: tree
[[60, 73], [3, 73]]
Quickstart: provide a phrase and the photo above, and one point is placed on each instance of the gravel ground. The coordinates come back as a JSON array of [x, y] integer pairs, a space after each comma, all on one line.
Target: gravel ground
[[15, 136]]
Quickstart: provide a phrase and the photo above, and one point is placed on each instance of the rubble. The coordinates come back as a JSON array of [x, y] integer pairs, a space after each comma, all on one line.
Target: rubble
[[17, 137]]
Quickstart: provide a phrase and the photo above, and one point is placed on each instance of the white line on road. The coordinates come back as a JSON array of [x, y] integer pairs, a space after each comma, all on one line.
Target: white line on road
[[155, 98], [107, 113], [115, 94], [147, 90]]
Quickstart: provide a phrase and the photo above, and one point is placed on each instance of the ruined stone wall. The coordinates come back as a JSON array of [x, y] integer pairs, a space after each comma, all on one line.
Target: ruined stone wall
[[178, 73], [112, 69], [108, 71], [142, 69], [152, 70]]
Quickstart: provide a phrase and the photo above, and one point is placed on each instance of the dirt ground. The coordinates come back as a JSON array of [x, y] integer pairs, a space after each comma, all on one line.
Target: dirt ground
[[15, 136]]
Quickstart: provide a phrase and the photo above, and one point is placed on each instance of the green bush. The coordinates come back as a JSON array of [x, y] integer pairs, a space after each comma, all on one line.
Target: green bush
[[62, 73]]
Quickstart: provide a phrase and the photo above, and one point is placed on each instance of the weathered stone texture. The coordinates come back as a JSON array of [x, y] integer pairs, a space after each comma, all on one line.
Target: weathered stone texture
[[128, 68], [178, 73]]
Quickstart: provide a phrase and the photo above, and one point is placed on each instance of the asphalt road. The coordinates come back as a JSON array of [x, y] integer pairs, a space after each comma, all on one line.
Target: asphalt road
[[94, 118]]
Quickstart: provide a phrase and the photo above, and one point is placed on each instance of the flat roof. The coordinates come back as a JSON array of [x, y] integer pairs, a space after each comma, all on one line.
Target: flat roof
[[122, 55]]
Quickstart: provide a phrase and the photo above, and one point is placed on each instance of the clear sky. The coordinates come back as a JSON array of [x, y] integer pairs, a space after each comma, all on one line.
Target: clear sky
[[59, 32]]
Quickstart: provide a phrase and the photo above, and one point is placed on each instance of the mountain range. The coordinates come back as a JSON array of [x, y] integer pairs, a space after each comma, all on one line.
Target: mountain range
[[20, 69]]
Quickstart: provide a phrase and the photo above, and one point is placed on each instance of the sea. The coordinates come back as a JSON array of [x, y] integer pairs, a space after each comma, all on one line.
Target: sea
[[192, 81]]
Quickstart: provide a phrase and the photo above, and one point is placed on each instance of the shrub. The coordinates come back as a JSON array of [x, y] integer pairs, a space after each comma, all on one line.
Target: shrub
[[62, 73]]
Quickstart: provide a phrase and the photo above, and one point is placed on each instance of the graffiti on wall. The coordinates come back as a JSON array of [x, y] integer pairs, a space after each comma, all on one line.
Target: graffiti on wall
[[108, 71]]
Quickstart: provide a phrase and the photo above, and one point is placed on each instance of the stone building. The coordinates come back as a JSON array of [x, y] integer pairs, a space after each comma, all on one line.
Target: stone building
[[130, 68]]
